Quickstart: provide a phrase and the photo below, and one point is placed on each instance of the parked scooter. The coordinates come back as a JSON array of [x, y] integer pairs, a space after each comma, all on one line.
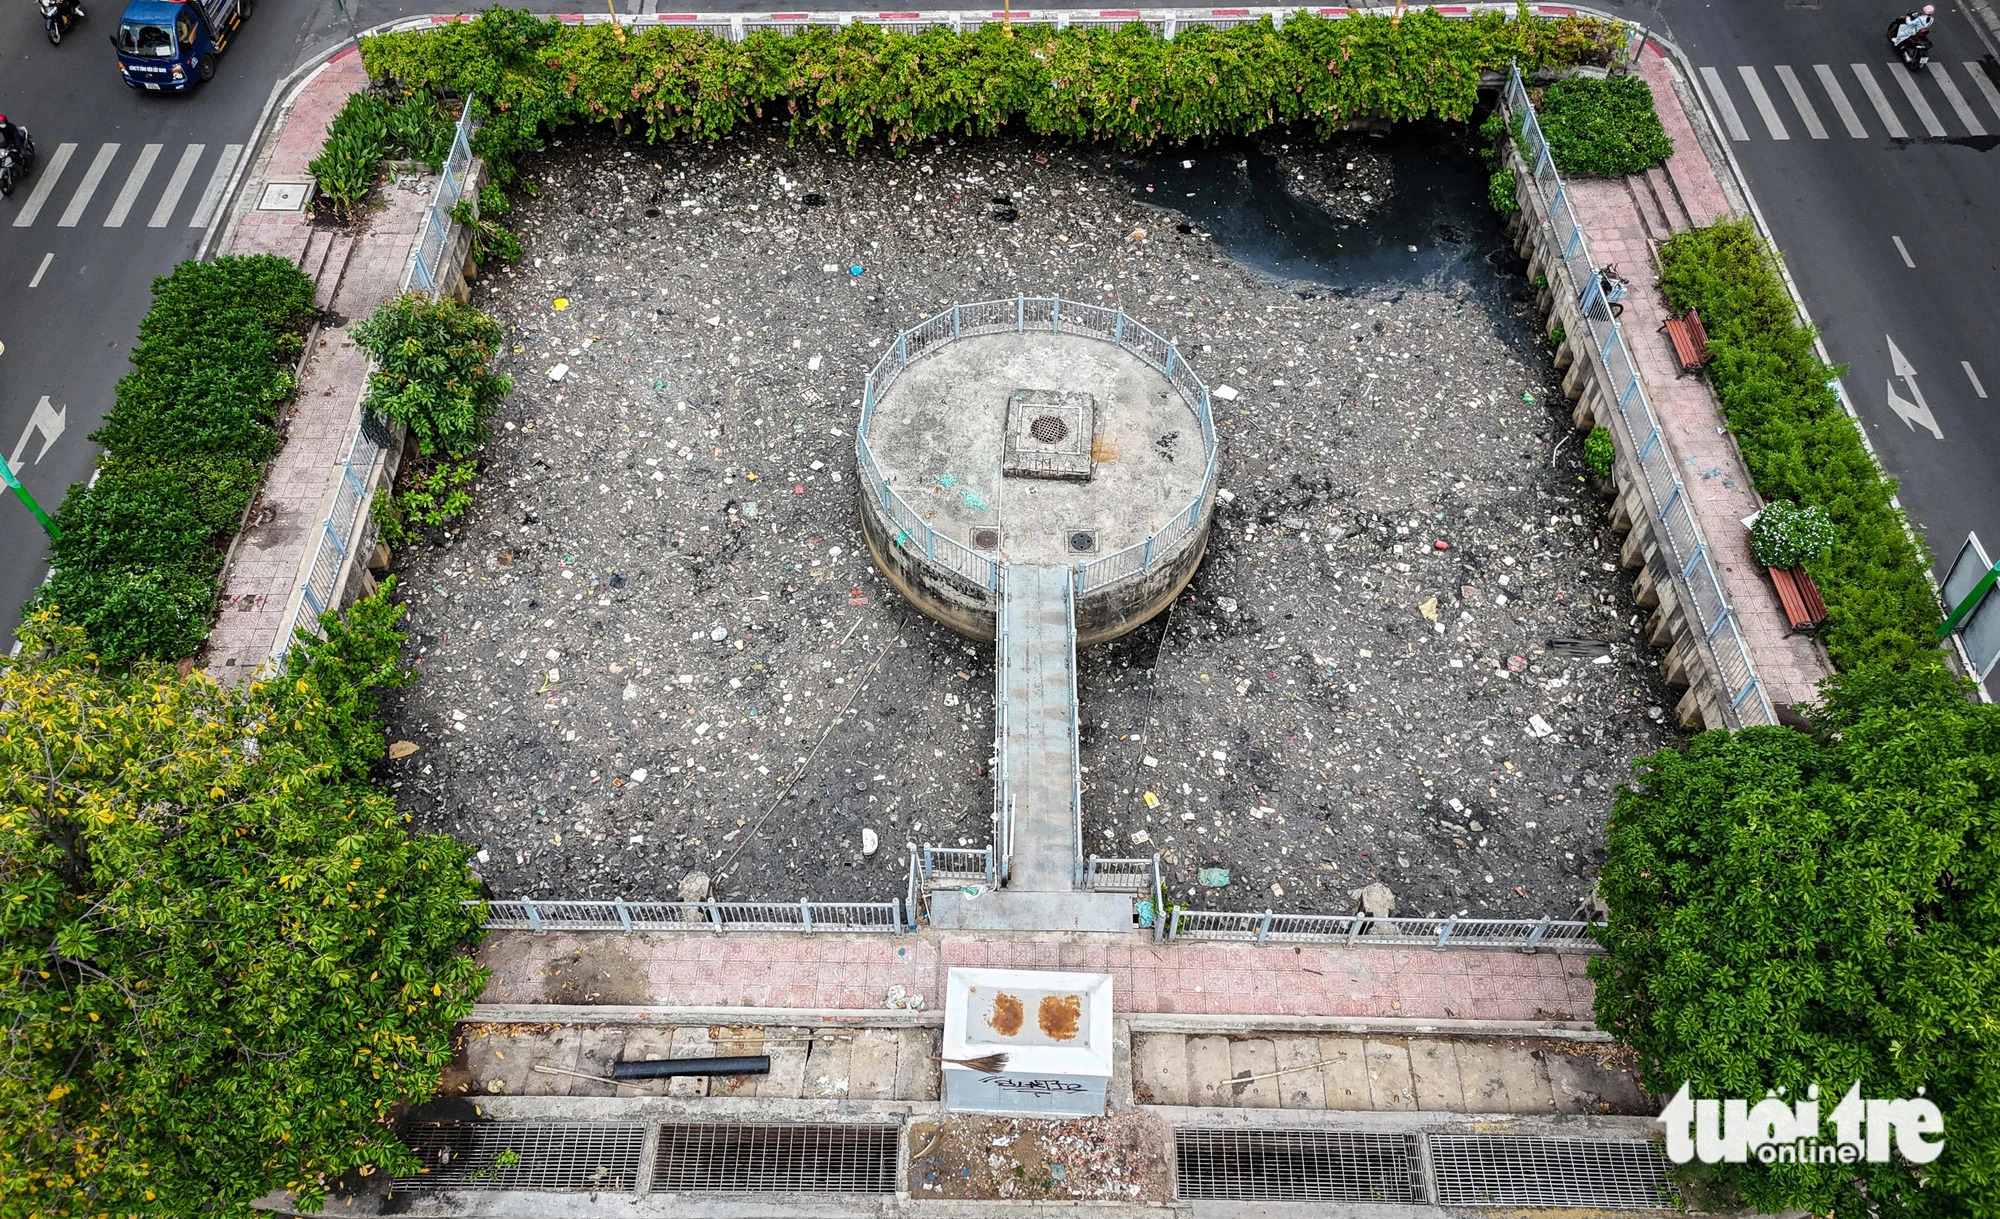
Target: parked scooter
[[1910, 37], [16, 166]]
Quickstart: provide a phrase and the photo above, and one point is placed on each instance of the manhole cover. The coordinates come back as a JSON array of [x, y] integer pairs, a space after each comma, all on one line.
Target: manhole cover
[[986, 539], [1083, 541], [1049, 429]]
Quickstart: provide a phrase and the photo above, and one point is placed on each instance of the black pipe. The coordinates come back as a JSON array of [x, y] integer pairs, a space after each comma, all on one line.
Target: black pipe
[[665, 1068]]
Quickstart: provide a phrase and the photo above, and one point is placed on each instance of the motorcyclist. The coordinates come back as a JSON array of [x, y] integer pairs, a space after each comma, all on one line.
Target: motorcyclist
[[1916, 21]]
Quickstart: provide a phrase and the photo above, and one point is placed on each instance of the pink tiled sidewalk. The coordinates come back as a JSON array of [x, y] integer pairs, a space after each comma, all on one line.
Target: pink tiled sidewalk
[[850, 972]]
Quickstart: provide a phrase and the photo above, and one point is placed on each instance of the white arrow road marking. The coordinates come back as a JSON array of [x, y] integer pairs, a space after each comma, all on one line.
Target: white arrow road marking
[[1911, 413], [50, 421]]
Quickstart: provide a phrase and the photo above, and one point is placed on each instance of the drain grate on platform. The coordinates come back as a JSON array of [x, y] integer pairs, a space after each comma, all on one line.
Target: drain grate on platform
[[1515, 1170], [1295, 1166], [825, 1159], [521, 1155]]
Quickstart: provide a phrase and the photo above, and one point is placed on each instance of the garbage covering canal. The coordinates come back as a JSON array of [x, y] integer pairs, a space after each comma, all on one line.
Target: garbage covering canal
[[656, 659]]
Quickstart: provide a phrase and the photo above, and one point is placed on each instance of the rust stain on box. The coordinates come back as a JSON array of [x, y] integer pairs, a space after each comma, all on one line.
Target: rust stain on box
[[1058, 1016], [1007, 1015]]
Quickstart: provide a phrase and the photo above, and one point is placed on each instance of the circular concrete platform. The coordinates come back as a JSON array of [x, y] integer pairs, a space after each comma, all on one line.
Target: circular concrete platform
[[1040, 432]]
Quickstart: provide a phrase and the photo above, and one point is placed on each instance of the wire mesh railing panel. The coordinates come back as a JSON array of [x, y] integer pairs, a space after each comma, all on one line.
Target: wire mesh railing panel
[[705, 1158], [1521, 1171], [1279, 1165], [541, 1156]]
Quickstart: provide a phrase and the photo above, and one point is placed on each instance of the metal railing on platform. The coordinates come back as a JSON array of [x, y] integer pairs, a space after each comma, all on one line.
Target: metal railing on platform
[[1747, 700]]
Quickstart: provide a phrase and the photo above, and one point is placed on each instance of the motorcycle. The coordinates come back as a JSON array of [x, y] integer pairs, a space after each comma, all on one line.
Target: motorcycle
[[16, 166], [57, 17], [1914, 50]]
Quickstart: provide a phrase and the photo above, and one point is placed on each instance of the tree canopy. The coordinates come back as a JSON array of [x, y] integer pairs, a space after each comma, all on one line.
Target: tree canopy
[[224, 960], [1790, 908]]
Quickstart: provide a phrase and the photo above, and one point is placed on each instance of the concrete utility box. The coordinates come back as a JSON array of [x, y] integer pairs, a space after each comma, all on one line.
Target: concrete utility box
[[1054, 1028]]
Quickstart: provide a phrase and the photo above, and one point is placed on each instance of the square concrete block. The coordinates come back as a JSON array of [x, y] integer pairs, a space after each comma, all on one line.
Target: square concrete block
[[597, 1049], [871, 1066], [647, 1045], [787, 1048], [1345, 1073], [1305, 1087], [1389, 1085], [1434, 1075], [1208, 1072], [557, 1048], [1160, 1069], [917, 1068], [1248, 1059], [826, 1066], [690, 1042]]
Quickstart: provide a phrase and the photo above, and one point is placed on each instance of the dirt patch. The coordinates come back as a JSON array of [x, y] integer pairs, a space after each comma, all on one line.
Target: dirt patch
[[1106, 1159]]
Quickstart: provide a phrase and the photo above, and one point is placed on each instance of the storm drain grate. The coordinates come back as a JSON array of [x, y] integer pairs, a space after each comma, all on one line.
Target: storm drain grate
[[1514, 1170], [520, 1155], [1294, 1165], [823, 1159]]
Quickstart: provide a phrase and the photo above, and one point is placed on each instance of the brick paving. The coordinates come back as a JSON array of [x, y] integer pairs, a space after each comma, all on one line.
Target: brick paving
[[854, 972], [1791, 666]]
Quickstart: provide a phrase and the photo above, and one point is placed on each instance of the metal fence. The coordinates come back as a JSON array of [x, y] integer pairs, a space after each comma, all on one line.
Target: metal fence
[[1641, 438], [434, 239], [525, 914], [1019, 315], [1270, 927]]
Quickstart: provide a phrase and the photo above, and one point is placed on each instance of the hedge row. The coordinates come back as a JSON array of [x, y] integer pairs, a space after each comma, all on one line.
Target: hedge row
[[1800, 444], [141, 549], [1123, 86]]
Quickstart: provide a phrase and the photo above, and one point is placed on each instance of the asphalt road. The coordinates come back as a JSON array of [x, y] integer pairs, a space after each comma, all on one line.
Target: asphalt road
[[1888, 234]]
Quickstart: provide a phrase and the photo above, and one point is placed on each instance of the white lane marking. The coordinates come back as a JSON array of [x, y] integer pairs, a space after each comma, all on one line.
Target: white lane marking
[[1978, 74], [1841, 105], [1917, 102], [1762, 101], [1904, 251], [1880, 102], [1720, 96], [47, 420], [43, 189], [42, 270], [99, 166], [1790, 79], [1957, 100], [164, 210], [133, 182], [1911, 413], [1973, 377], [217, 182]]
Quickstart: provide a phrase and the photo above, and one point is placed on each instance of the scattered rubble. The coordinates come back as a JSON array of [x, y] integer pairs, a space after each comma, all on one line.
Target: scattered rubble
[[657, 646]]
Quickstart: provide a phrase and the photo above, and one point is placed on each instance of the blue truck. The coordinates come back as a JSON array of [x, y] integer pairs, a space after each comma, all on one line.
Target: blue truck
[[168, 45]]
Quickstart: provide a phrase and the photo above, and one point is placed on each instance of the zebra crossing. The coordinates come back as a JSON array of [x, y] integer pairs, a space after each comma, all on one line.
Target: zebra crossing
[[81, 198], [1942, 88]]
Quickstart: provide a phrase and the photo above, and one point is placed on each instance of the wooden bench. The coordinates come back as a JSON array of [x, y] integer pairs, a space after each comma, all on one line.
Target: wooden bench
[[1800, 597], [1690, 340]]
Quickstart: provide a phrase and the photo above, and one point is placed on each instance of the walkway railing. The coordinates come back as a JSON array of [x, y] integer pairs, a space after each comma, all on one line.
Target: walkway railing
[[434, 239], [1748, 703], [1055, 316], [524, 914], [1270, 927]]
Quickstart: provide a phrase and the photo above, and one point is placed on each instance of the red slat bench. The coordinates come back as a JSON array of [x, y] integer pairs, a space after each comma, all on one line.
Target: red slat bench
[[1800, 597], [1690, 340]]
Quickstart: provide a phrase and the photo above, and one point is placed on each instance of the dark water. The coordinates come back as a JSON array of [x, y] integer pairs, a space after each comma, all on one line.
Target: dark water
[[1437, 202]]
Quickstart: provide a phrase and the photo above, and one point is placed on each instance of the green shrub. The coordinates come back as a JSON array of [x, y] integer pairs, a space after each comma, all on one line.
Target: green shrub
[[1799, 444], [137, 563], [1787, 534], [1792, 908], [432, 372], [1602, 127], [1126, 87], [1500, 192], [1599, 454]]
